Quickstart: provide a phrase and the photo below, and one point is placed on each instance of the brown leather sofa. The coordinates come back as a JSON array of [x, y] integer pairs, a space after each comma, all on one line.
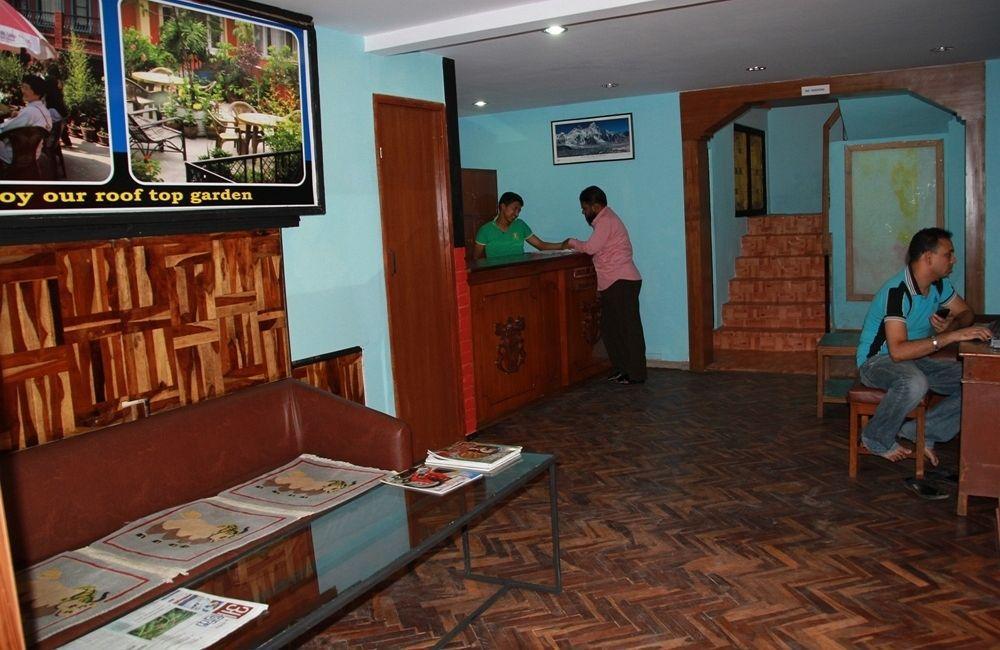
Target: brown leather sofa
[[66, 494]]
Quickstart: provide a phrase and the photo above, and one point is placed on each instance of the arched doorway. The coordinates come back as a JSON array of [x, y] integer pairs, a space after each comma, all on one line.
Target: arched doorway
[[959, 89]]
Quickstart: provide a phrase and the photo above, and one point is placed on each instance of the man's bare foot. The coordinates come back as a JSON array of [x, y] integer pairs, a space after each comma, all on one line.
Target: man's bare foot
[[894, 455], [931, 457]]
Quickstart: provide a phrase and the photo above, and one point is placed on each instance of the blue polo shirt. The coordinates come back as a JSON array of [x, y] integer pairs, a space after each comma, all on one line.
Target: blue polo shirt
[[900, 299]]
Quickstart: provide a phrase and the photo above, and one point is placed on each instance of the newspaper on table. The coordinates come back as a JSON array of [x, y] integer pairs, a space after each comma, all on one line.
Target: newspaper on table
[[432, 480], [182, 619], [477, 456]]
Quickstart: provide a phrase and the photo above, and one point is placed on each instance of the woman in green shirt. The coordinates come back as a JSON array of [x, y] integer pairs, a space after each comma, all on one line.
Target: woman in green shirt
[[506, 234]]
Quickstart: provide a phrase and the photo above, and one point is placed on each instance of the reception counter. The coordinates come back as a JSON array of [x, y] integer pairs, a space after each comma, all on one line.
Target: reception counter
[[535, 328]]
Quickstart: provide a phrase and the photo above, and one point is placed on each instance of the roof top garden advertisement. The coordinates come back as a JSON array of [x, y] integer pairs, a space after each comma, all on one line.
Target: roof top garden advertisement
[[146, 111]]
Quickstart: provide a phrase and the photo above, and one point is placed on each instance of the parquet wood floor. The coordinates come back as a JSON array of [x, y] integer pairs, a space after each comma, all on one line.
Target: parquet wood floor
[[705, 511]]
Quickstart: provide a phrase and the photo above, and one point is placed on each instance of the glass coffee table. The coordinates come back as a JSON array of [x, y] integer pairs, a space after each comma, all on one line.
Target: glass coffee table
[[317, 567]]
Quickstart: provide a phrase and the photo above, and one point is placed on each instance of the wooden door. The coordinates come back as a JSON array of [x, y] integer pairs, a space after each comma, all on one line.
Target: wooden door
[[479, 202], [412, 156]]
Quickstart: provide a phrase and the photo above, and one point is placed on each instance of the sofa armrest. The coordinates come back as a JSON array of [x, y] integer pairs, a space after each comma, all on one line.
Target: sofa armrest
[[332, 427]]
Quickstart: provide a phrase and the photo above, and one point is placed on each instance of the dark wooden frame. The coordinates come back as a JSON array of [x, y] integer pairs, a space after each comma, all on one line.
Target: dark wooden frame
[[957, 88], [113, 224], [938, 145], [750, 131]]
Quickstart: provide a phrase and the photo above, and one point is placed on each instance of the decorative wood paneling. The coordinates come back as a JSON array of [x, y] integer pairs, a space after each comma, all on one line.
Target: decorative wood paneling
[[85, 326], [341, 373]]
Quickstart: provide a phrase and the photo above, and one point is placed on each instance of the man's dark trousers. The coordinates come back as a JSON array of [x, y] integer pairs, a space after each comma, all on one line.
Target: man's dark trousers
[[621, 328]]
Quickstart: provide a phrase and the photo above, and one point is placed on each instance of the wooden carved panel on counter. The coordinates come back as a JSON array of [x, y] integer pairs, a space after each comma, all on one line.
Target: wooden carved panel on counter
[[510, 349], [341, 373], [86, 326], [590, 313]]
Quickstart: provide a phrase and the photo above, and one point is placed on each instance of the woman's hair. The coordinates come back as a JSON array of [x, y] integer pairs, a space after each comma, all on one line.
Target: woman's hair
[[511, 197], [36, 83]]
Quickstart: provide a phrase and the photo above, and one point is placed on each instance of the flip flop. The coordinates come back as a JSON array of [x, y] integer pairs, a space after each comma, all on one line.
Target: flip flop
[[924, 489], [865, 451]]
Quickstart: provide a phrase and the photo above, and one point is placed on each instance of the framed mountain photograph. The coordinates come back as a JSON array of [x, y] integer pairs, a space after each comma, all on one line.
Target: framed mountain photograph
[[592, 139]]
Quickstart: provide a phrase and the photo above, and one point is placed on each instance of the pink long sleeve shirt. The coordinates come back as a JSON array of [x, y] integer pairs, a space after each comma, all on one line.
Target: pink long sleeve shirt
[[610, 248]]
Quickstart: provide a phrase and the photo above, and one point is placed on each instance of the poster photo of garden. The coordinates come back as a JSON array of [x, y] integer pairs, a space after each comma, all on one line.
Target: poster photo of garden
[[53, 94], [210, 98]]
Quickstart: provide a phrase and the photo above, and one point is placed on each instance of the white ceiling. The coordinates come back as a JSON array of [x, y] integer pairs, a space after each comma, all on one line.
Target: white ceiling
[[654, 46]]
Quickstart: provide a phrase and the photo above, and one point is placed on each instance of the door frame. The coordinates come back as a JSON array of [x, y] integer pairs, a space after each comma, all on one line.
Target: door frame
[[959, 89]]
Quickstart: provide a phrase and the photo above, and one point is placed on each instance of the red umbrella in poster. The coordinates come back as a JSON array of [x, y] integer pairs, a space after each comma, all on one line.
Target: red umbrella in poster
[[16, 32]]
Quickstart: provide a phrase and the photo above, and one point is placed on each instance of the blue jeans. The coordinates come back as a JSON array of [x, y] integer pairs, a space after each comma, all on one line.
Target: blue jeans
[[905, 383]]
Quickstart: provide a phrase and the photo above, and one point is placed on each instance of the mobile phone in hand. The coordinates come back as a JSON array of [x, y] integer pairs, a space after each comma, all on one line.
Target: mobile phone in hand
[[943, 312]]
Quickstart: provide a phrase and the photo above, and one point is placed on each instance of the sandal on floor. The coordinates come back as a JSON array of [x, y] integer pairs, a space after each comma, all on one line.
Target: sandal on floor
[[925, 489]]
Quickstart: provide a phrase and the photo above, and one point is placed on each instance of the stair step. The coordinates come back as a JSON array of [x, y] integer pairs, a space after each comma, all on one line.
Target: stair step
[[774, 245], [774, 340], [783, 290], [785, 266], [785, 224], [808, 315]]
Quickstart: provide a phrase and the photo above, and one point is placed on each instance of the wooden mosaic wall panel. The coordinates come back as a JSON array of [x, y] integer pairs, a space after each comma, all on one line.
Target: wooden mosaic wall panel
[[85, 326], [339, 373]]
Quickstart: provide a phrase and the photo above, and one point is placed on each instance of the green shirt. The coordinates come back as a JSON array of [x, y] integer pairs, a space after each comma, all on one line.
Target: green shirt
[[499, 243]]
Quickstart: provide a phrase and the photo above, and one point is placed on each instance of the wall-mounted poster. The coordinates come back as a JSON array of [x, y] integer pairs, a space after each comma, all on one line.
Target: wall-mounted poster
[[141, 112], [592, 139], [893, 190]]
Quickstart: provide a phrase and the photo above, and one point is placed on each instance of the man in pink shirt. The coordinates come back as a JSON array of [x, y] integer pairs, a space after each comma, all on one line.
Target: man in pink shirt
[[618, 283]]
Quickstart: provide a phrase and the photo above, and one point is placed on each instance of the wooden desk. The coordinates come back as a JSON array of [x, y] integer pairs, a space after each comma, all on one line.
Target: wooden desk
[[535, 328], [979, 463], [833, 390]]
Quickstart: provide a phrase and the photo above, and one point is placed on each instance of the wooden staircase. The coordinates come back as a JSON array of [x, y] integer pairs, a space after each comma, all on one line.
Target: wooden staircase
[[777, 301]]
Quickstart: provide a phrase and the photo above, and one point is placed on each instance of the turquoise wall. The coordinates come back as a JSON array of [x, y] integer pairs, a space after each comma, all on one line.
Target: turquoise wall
[[850, 314], [897, 115], [795, 158], [647, 193], [726, 229], [333, 262], [992, 245]]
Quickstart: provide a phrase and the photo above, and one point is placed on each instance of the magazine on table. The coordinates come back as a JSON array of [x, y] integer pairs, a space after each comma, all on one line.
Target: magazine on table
[[432, 480], [478, 456], [182, 619]]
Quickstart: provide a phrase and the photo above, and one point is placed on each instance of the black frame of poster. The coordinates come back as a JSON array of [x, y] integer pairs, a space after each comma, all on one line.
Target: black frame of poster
[[32, 225]]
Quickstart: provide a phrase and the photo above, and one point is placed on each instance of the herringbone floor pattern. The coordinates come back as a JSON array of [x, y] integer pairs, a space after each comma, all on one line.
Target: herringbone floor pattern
[[704, 511]]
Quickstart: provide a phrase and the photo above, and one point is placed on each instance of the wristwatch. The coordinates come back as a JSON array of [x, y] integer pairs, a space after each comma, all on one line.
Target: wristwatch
[[934, 342]]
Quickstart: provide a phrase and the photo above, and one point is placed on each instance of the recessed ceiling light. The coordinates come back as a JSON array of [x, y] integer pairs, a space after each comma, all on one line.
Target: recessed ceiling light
[[941, 49], [554, 30], [611, 84], [756, 68], [479, 103]]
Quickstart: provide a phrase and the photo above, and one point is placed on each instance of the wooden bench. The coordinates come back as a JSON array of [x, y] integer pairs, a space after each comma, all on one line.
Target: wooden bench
[[839, 344]]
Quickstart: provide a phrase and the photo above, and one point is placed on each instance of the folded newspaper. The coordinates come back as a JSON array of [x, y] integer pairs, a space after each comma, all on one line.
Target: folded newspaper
[[433, 480], [183, 619], [478, 456]]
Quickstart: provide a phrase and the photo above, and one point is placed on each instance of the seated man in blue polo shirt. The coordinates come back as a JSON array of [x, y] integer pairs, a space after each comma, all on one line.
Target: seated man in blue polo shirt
[[913, 315]]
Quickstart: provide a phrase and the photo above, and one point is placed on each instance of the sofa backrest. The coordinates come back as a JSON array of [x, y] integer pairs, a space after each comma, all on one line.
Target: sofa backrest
[[66, 494]]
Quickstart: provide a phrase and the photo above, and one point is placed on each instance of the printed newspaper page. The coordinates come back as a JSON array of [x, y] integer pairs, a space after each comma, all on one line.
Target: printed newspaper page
[[182, 619]]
